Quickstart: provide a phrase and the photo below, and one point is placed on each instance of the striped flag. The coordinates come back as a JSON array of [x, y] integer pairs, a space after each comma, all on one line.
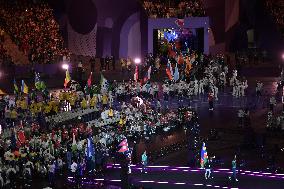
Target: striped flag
[[16, 89], [123, 146]]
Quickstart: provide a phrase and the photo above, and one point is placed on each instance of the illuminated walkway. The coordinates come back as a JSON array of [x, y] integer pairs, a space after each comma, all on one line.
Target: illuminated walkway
[[185, 177]]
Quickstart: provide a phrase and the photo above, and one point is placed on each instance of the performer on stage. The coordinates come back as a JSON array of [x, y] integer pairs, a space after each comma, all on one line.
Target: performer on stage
[[144, 159], [208, 167], [203, 155], [234, 169]]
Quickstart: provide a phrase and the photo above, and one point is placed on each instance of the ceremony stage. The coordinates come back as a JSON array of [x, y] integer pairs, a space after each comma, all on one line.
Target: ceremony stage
[[186, 177]]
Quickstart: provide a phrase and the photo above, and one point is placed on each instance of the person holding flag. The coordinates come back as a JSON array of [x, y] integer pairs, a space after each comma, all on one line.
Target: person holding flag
[[124, 149]]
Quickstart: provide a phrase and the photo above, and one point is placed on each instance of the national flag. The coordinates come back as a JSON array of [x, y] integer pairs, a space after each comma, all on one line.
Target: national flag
[[169, 71], [90, 147], [136, 76], [21, 137], [123, 143], [176, 75], [123, 146], [169, 74], [67, 78], [90, 80], [24, 88], [16, 89], [123, 149], [203, 154], [147, 75], [104, 83]]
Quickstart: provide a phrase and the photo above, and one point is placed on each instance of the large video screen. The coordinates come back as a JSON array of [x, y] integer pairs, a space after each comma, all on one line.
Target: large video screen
[[180, 40]]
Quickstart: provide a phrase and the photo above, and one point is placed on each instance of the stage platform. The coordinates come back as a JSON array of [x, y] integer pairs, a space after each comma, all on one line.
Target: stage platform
[[168, 177]]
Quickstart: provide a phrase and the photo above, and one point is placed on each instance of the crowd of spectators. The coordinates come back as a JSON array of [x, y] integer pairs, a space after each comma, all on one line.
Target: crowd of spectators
[[32, 26], [276, 9], [3, 53], [2, 50], [168, 8]]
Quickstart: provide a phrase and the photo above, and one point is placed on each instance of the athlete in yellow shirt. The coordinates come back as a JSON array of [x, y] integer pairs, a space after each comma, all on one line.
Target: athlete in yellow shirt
[[84, 104], [104, 100]]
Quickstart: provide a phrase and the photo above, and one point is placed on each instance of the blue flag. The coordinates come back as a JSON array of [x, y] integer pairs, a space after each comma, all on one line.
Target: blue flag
[[176, 75], [90, 148]]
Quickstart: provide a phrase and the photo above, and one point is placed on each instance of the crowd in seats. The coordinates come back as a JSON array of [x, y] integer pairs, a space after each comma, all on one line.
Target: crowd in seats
[[3, 53], [168, 9], [276, 8], [32, 26]]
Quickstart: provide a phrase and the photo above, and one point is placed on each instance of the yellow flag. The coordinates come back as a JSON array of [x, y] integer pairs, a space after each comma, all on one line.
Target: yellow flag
[[67, 78]]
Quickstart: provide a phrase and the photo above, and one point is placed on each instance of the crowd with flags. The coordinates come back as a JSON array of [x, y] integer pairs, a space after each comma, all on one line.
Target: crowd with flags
[[138, 107]]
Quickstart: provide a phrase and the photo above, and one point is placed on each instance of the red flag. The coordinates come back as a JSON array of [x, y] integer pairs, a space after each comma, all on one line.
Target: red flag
[[123, 143], [123, 149], [21, 137], [169, 74], [180, 59], [136, 74], [90, 79], [123, 146]]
